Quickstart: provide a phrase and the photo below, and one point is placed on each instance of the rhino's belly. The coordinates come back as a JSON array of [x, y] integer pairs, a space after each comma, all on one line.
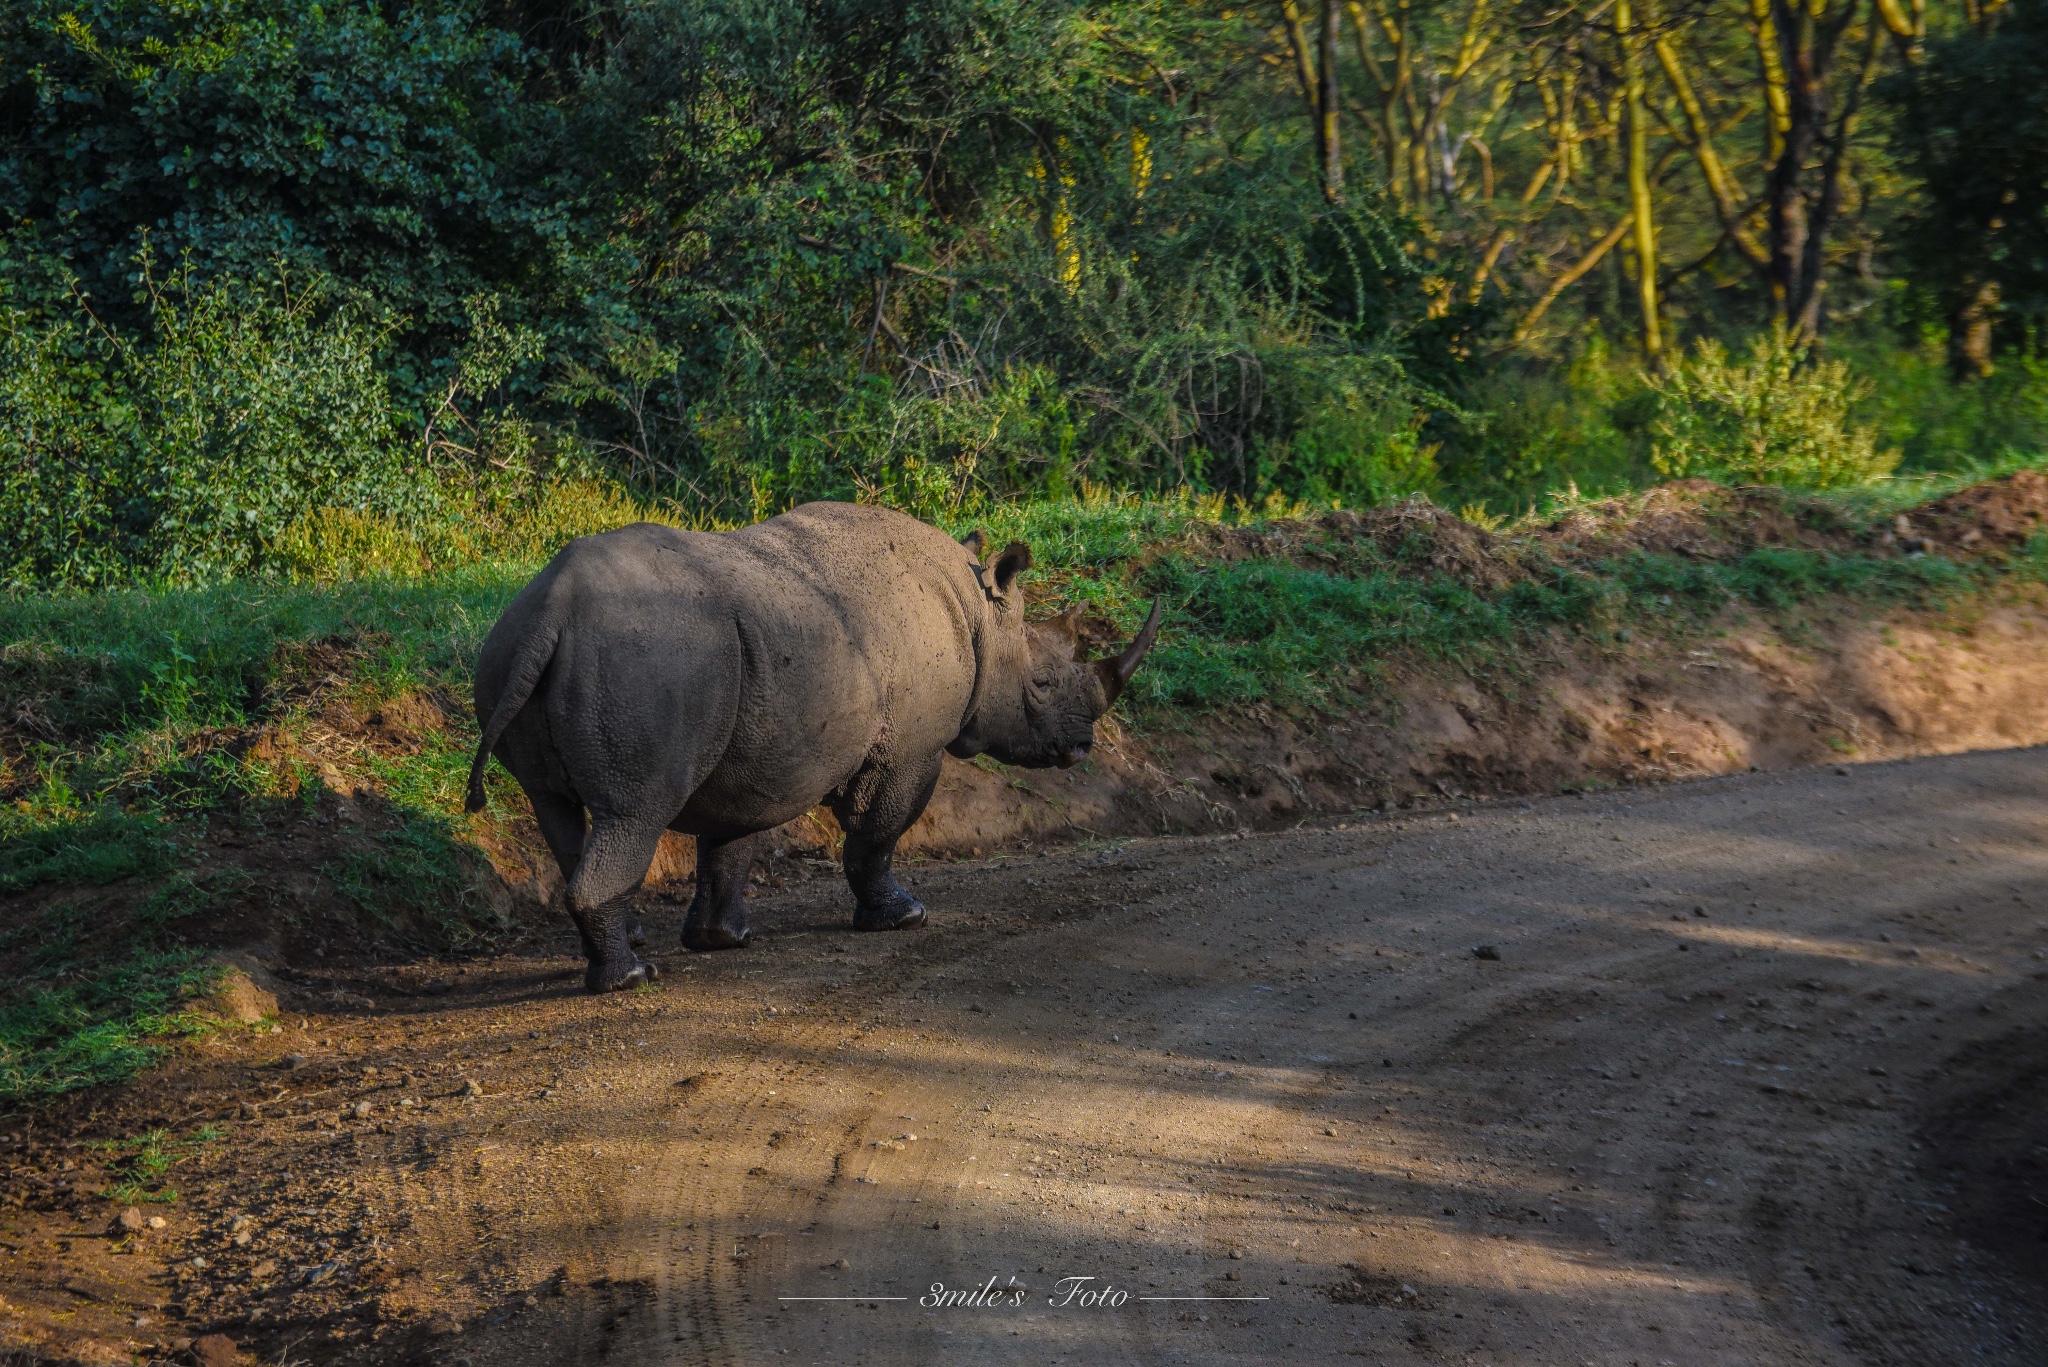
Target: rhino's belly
[[729, 820], [748, 793]]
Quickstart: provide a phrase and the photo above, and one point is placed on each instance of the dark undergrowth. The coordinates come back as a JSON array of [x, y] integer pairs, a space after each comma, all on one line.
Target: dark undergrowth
[[100, 987]]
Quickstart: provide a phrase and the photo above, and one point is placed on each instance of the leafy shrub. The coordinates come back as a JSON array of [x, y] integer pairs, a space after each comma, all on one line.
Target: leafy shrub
[[1357, 443], [1542, 424], [1782, 417], [181, 454], [329, 545], [383, 144], [1937, 424], [734, 255]]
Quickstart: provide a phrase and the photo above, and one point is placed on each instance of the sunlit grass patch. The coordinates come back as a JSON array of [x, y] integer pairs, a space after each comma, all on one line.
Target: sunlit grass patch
[[141, 1167]]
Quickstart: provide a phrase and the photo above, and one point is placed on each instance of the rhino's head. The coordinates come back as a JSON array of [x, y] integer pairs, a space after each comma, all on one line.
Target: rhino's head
[[1039, 700]]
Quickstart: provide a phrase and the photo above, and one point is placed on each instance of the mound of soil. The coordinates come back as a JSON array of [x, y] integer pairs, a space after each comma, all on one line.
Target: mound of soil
[[1997, 515]]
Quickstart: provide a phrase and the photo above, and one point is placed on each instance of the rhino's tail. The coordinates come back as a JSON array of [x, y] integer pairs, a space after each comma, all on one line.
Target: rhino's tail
[[533, 657]]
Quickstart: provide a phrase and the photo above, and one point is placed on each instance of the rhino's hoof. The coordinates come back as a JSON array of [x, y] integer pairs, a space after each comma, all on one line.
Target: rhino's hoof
[[903, 914], [618, 977], [704, 939]]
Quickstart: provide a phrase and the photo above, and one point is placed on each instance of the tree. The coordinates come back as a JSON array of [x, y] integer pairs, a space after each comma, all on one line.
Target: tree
[[389, 146]]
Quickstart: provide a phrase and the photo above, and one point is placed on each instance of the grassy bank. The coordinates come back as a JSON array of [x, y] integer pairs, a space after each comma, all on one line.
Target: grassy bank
[[139, 729]]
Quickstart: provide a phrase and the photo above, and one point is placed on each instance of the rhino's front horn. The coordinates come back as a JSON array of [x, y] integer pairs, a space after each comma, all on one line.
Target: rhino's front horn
[[1116, 673]]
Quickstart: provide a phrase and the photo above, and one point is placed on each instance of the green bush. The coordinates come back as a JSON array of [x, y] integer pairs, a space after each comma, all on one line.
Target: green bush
[[1782, 417], [181, 453], [329, 545], [1540, 424], [1936, 423], [733, 256]]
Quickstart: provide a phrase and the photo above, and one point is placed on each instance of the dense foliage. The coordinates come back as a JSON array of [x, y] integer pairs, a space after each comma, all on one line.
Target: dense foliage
[[271, 272], [1973, 128], [740, 255]]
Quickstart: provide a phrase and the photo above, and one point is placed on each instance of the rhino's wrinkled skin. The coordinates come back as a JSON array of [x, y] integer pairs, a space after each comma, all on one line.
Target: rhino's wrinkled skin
[[720, 684]]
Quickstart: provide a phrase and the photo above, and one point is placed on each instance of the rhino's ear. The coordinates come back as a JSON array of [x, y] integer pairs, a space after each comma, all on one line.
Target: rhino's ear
[[1015, 559], [974, 541]]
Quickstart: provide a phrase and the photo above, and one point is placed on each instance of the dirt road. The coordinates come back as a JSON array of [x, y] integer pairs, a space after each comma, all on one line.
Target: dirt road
[[1747, 1070]]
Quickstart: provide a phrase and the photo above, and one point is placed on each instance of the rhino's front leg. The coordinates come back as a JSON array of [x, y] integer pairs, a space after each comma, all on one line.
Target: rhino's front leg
[[718, 913], [894, 799], [878, 903]]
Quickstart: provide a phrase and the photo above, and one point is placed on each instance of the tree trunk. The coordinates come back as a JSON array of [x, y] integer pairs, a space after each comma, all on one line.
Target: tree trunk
[[1969, 331], [1726, 192], [1304, 69], [1326, 99], [1639, 178]]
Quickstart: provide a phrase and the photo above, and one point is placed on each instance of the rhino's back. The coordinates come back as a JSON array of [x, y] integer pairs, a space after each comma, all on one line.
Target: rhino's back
[[868, 593], [904, 592]]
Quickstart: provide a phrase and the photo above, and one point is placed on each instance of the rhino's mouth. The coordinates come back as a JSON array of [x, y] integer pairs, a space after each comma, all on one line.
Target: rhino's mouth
[[1073, 755]]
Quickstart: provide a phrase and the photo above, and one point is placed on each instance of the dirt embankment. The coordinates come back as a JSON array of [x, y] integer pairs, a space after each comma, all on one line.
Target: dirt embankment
[[1762, 695], [1829, 682]]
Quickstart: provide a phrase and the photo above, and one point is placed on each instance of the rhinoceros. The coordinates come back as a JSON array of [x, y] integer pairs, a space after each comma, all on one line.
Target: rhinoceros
[[721, 684]]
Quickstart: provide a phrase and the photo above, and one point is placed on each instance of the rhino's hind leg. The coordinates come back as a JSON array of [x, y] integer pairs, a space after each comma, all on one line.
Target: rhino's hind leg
[[896, 799], [561, 825], [615, 859], [718, 913]]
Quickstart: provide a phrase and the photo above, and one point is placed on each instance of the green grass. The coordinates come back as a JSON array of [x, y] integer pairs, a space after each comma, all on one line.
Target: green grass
[[1784, 577], [1259, 631], [97, 993], [141, 1167], [98, 846], [101, 1026], [124, 661]]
